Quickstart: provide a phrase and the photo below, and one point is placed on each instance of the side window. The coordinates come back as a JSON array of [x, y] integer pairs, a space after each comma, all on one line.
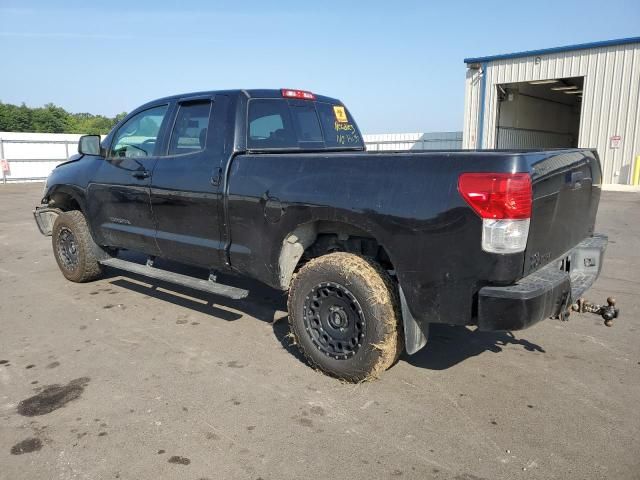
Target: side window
[[138, 136], [270, 125], [190, 129]]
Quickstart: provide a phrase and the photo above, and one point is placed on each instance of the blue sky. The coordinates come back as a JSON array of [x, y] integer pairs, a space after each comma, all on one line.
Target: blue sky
[[398, 65]]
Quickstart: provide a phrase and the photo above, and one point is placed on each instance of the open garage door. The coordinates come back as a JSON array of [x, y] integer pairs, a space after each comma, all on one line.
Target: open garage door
[[539, 114]]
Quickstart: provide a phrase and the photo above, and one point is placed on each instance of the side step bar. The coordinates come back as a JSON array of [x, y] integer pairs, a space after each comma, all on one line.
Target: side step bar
[[177, 278]]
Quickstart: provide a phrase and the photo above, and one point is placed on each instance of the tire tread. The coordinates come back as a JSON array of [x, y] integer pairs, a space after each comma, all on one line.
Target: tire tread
[[90, 253], [384, 298]]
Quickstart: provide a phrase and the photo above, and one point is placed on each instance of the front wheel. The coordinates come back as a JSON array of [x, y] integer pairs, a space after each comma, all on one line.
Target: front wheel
[[343, 314], [77, 254]]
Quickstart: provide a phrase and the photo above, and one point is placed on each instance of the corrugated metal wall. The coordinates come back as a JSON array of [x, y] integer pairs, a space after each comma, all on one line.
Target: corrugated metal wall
[[508, 137], [414, 141], [610, 106]]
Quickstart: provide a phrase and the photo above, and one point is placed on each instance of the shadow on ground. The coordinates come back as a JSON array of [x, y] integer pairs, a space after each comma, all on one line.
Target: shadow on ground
[[261, 305], [264, 303], [447, 345]]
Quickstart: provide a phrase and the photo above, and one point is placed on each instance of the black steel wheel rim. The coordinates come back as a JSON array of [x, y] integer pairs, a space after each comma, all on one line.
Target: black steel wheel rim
[[67, 249], [334, 320]]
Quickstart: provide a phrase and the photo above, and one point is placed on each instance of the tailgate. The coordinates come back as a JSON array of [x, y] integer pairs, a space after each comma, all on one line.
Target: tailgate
[[566, 193]]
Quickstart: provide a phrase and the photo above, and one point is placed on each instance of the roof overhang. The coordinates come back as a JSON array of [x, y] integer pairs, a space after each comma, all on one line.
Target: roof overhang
[[545, 51]]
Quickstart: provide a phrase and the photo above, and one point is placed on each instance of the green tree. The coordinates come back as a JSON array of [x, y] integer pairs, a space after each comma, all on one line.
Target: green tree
[[23, 119], [53, 119], [50, 119], [7, 117]]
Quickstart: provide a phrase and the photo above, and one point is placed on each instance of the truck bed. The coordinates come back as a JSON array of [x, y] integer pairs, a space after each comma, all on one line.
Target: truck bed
[[409, 202]]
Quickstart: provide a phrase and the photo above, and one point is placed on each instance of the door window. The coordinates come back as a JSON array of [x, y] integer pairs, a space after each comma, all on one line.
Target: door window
[[189, 133], [138, 136]]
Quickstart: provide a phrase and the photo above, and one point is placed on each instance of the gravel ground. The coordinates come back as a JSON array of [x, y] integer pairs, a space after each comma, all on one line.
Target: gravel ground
[[124, 379]]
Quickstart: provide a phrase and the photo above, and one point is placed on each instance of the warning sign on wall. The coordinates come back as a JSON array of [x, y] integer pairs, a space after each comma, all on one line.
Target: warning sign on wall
[[615, 141], [4, 165]]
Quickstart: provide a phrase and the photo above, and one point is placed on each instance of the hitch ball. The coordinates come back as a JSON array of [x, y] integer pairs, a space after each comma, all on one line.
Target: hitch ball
[[608, 312]]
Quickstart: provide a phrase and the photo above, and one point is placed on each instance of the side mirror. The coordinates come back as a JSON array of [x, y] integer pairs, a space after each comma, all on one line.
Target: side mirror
[[89, 145]]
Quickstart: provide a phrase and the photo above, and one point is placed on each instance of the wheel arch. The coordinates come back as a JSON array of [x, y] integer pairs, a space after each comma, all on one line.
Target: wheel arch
[[306, 237], [66, 198], [325, 236]]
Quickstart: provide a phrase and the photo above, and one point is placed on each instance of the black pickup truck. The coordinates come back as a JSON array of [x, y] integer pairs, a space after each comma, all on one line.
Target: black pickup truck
[[372, 247]]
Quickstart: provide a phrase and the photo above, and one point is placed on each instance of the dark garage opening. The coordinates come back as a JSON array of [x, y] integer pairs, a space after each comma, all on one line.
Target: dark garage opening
[[539, 114]]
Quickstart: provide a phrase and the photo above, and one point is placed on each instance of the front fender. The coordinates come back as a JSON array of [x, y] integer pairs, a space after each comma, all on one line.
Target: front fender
[[64, 197], [59, 198]]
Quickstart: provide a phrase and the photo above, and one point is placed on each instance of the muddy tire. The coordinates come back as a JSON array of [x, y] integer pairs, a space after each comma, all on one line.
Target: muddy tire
[[75, 251], [344, 316]]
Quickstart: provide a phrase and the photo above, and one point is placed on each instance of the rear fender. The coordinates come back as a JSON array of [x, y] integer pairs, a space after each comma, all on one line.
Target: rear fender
[[294, 245]]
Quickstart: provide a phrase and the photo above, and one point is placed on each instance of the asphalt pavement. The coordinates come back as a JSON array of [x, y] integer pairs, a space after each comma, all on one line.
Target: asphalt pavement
[[122, 378]]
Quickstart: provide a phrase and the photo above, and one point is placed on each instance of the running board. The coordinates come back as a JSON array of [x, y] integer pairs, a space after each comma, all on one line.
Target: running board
[[176, 278]]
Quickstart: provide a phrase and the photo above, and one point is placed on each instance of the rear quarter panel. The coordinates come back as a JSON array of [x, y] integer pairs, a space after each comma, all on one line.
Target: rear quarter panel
[[408, 202]]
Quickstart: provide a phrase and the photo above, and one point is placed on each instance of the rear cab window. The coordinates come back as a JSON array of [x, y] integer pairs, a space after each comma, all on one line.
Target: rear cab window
[[278, 123], [340, 129]]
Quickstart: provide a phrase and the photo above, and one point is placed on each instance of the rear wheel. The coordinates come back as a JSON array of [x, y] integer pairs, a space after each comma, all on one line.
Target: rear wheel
[[75, 251], [343, 314]]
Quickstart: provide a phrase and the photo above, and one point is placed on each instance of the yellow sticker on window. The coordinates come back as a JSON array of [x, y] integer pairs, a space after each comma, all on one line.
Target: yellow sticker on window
[[340, 113]]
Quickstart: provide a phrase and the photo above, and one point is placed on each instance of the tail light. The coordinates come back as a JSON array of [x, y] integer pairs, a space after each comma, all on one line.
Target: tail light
[[503, 201], [300, 94]]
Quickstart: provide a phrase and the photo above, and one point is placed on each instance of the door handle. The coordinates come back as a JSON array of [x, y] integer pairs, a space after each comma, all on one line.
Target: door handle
[[141, 174]]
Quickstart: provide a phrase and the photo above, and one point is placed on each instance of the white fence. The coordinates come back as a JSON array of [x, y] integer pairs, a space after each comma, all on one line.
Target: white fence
[[414, 141], [32, 156]]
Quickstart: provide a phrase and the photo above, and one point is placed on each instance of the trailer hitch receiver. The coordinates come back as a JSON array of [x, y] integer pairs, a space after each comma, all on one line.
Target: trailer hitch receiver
[[608, 312]]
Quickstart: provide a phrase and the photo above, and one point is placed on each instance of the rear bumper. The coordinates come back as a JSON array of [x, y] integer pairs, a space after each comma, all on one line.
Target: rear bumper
[[45, 218], [544, 293]]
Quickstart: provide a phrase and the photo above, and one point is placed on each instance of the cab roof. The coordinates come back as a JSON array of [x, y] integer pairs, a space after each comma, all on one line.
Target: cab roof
[[250, 93]]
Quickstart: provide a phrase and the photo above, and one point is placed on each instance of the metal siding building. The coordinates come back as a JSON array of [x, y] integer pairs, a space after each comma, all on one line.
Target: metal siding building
[[515, 101]]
